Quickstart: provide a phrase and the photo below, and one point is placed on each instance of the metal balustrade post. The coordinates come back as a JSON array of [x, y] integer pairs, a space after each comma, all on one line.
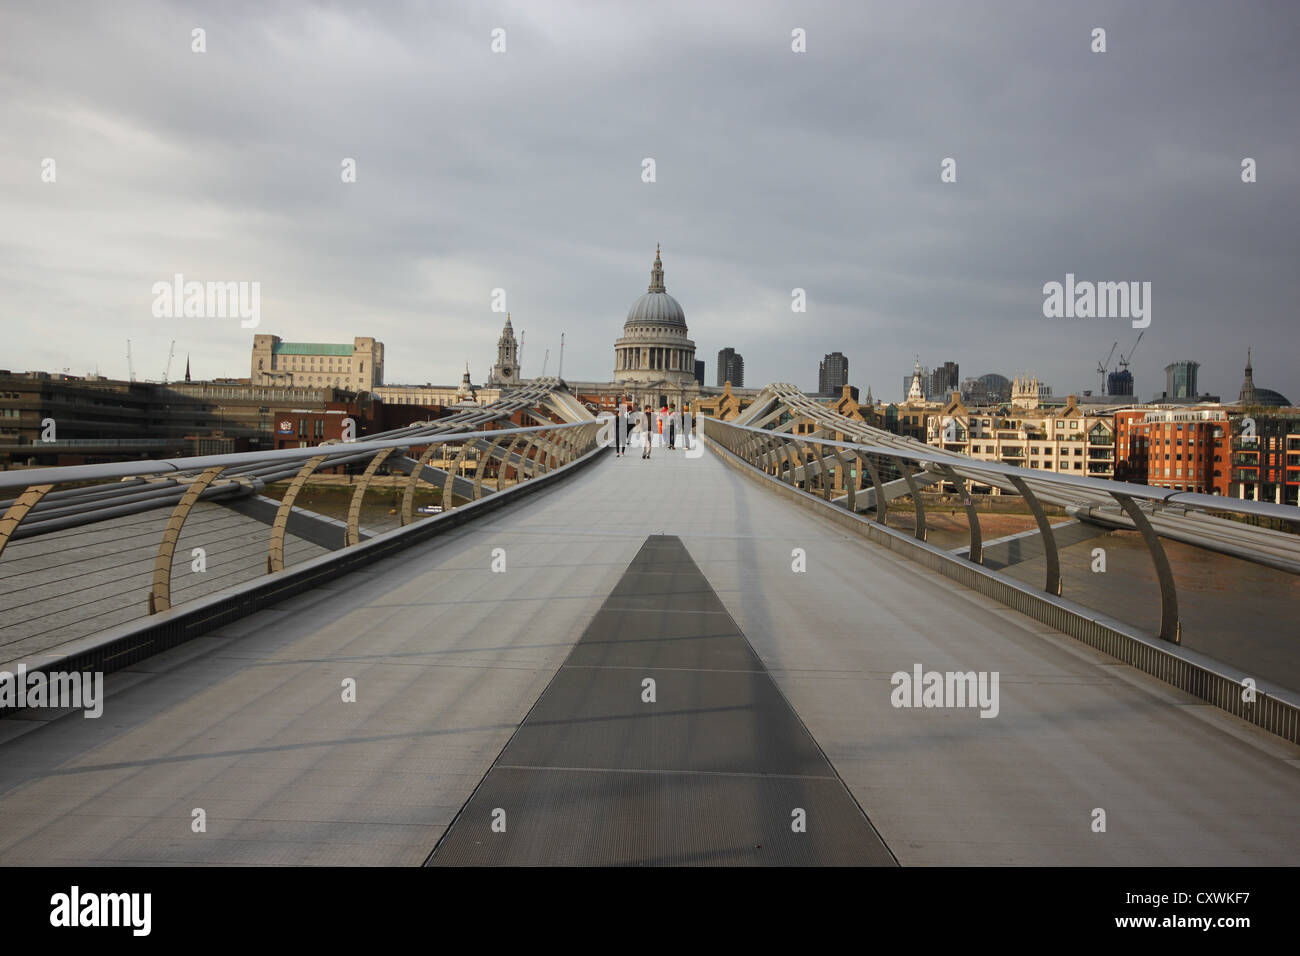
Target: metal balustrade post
[[849, 480], [788, 453], [562, 442], [824, 472], [776, 456], [160, 596], [772, 456], [548, 442], [1171, 628], [972, 516], [915, 492], [545, 451], [408, 495], [525, 461], [882, 505], [506, 462], [797, 462], [353, 534], [1053, 583], [275, 547], [556, 439], [448, 485], [18, 511], [806, 456], [811, 470]]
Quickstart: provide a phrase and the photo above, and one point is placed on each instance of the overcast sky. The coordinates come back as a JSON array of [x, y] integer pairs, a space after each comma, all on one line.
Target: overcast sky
[[522, 170]]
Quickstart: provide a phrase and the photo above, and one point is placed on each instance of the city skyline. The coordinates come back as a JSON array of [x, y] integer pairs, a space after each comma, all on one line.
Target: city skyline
[[772, 174]]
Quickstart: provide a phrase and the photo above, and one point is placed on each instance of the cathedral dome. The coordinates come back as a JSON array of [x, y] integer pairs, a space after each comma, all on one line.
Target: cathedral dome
[[656, 307]]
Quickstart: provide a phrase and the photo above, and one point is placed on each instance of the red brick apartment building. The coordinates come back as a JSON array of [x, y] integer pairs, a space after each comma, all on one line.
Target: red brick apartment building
[[1266, 465], [1185, 449]]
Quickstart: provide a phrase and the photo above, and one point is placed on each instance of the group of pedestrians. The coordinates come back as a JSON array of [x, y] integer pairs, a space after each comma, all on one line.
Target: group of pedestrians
[[667, 425]]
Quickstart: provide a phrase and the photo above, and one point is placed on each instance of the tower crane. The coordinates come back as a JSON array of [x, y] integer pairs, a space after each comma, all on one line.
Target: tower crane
[[170, 355], [1125, 360], [130, 369], [1101, 367]]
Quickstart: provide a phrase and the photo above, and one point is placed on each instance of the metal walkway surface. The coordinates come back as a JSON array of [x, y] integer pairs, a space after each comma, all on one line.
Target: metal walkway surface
[[450, 656], [662, 740]]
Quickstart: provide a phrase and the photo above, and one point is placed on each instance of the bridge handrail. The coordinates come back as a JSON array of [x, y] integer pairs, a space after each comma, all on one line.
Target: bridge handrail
[[64, 474], [551, 445], [1277, 549], [1102, 487]]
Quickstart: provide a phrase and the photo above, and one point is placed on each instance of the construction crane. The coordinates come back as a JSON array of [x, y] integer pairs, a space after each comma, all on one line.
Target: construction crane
[[130, 369], [1101, 367], [1125, 360], [170, 355], [546, 359], [560, 373], [519, 359]]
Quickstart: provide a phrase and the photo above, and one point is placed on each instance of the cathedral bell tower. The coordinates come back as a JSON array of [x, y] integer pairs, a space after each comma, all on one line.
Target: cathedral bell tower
[[506, 371]]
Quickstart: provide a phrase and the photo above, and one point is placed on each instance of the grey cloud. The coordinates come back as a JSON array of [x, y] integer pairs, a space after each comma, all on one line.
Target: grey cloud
[[775, 170]]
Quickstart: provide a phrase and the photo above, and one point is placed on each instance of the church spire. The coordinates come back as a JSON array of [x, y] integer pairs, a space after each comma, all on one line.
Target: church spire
[[1247, 395], [657, 273]]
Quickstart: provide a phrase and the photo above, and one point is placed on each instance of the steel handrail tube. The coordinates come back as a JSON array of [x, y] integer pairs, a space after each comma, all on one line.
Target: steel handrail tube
[[933, 459], [351, 451]]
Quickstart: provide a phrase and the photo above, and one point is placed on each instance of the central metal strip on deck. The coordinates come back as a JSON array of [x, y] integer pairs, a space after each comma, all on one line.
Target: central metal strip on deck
[[717, 770]]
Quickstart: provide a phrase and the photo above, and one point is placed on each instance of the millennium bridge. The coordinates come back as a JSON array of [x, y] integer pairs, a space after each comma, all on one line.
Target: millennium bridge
[[767, 647]]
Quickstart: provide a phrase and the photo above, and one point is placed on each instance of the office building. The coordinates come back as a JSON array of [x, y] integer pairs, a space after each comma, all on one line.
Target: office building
[[832, 374], [731, 368]]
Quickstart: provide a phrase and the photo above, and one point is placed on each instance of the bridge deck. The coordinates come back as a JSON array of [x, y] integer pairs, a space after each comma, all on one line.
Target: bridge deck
[[663, 740], [450, 657]]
